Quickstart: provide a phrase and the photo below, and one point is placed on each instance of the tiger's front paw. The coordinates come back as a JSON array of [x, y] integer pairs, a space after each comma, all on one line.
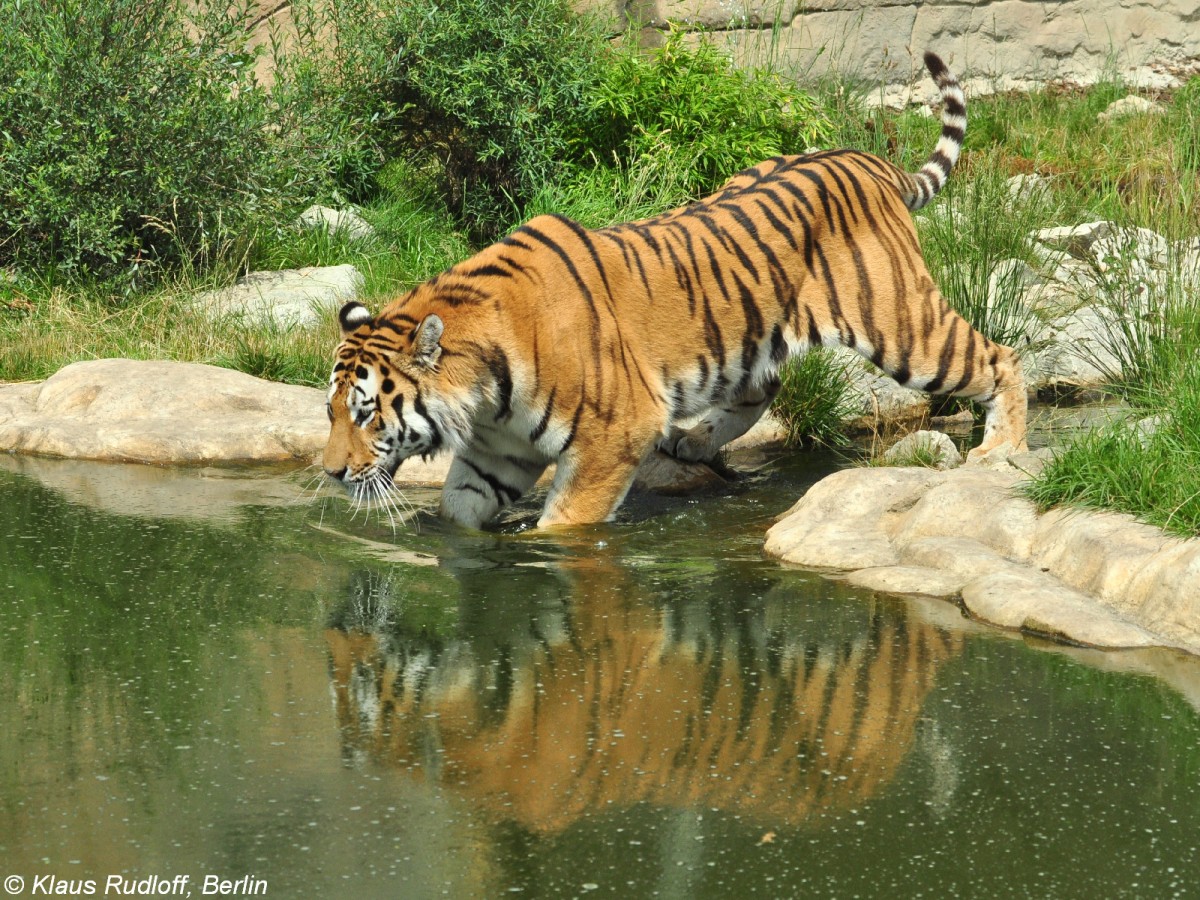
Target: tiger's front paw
[[682, 445]]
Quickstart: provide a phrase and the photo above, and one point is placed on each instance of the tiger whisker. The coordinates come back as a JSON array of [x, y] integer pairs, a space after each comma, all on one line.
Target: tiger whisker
[[311, 487]]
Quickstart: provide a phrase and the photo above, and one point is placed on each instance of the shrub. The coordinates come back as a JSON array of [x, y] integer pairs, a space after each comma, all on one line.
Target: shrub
[[693, 103], [490, 88], [132, 135]]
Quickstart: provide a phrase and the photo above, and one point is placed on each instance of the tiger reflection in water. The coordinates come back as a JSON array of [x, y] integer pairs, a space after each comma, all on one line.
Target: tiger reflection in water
[[573, 707]]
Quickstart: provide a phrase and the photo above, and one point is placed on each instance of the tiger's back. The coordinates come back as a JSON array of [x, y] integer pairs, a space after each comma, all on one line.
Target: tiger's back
[[590, 347]]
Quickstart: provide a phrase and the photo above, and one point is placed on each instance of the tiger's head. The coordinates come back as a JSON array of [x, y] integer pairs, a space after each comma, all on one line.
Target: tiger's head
[[383, 401]]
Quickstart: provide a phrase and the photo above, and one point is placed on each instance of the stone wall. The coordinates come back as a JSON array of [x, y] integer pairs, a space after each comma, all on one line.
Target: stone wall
[[992, 45]]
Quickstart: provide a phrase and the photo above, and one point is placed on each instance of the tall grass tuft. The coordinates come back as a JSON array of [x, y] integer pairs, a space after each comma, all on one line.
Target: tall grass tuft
[[814, 399], [976, 239]]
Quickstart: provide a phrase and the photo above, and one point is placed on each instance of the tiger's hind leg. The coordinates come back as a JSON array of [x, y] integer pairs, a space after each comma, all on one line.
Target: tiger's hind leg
[[1005, 402], [721, 425], [953, 358]]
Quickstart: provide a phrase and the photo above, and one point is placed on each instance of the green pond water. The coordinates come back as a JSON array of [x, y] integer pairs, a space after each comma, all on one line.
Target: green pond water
[[212, 674]]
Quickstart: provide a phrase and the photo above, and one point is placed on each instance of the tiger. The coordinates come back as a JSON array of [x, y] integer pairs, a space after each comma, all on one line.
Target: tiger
[[592, 348]]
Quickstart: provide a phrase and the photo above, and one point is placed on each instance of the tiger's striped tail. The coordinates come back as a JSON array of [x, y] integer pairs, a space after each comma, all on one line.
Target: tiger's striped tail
[[921, 187]]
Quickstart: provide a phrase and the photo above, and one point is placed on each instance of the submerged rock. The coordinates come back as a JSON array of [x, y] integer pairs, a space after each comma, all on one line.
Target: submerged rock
[[1098, 579]]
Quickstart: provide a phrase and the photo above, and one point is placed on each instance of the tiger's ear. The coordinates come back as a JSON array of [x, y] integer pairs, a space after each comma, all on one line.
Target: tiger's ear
[[427, 347], [353, 316]]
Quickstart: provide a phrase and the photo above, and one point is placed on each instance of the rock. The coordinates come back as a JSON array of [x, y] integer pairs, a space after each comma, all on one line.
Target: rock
[[162, 412], [287, 298], [1033, 602], [1074, 239], [1031, 462], [1152, 78], [171, 412], [1127, 247], [1130, 106], [663, 474], [336, 221], [1085, 348], [921, 448], [838, 523], [954, 508], [1053, 299], [916, 580], [876, 397], [1015, 272], [1100, 579], [1028, 188]]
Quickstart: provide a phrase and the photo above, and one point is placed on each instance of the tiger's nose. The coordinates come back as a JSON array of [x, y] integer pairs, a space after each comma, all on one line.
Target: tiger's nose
[[336, 474]]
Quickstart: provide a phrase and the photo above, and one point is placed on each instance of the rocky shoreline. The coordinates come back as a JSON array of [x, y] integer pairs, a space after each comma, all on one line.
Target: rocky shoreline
[[965, 535], [1096, 579]]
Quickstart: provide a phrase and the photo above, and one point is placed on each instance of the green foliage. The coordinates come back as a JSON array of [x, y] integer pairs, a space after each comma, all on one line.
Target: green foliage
[[692, 105], [660, 178], [1151, 471], [132, 136], [489, 88], [814, 399], [1185, 111], [274, 353], [1147, 464]]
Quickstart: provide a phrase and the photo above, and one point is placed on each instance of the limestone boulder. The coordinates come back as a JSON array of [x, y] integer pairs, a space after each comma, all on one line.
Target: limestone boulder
[[1097, 579], [841, 522], [286, 298], [876, 398], [162, 412], [1083, 348], [1131, 105], [168, 413], [346, 222], [932, 445]]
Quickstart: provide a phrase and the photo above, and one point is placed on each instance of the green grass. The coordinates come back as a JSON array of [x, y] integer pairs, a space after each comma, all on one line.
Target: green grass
[[814, 400], [45, 325], [1148, 463], [1155, 476]]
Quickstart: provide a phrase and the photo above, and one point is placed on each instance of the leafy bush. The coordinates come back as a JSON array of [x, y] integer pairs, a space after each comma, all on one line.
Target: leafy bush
[[132, 135], [490, 88], [694, 103]]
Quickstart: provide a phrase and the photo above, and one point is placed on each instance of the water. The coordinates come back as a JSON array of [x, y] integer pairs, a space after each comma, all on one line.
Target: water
[[201, 677]]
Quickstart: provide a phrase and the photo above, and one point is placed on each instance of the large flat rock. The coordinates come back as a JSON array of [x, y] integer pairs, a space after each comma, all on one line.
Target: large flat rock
[[161, 412], [285, 298], [1094, 579]]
